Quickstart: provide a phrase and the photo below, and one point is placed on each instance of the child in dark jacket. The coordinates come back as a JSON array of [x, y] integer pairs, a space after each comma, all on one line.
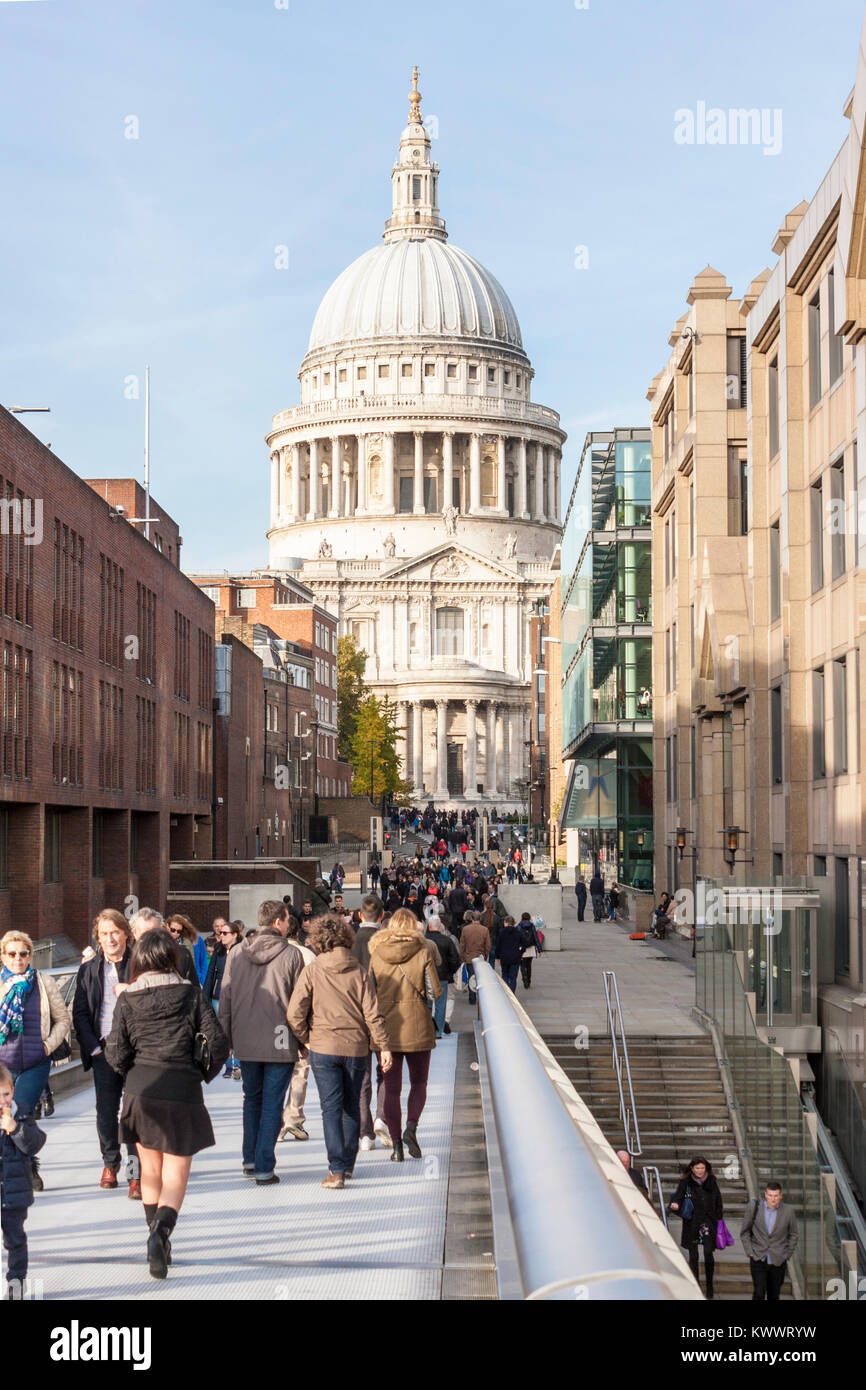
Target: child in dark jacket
[[20, 1140]]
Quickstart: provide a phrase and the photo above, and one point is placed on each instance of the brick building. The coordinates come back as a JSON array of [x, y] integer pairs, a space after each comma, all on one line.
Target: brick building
[[106, 680], [288, 608]]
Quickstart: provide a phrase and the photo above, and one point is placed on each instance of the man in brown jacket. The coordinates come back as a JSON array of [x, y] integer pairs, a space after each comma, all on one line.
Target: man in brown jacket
[[474, 942], [259, 978], [334, 1012]]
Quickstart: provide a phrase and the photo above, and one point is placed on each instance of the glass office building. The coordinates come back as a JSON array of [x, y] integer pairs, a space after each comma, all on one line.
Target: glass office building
[[607, 659]]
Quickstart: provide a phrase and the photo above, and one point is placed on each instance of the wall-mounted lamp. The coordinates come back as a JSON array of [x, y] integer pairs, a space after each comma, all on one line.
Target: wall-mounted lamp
[[732, 835], [640, 837]]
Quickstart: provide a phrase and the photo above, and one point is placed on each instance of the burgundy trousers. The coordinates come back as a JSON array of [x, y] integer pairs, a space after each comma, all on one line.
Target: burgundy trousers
[[419, 1068]]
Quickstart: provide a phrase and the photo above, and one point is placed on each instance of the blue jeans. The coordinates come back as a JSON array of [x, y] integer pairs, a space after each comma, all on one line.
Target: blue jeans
[[30, 1084], [439, 1008], [339, 1081], [509, 975], [265, 1086]]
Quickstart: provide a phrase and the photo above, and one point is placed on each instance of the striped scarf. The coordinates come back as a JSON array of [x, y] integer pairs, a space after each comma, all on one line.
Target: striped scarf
[[12, 1003]]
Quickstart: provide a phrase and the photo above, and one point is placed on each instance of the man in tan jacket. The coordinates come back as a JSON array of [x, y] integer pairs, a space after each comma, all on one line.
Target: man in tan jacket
[[474, 942], [293, 1113]]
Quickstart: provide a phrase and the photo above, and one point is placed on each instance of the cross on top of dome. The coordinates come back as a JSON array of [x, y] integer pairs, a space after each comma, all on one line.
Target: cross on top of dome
[[415, 100]]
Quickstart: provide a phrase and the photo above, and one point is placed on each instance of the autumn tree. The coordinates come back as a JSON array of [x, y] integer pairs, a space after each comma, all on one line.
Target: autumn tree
[[351, 690], [375, 757]]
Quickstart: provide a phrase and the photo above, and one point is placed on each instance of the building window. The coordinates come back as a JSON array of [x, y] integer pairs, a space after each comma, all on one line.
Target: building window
[[675, 767], [407, 495], [837, 518], [673, 545], [384, 370], [776, 733], [362, 373], [341, 375], [775, 572], [507, 378], [212, 592], [691, 518], [416, 188], [326, 378], [778, 865], [110, 612], [449, 631], [836, 344], [53, 858], [738, 491], [819, 761], [819, 865], [773, 405], [245, 598], [816, 521], [842, 919], [735, 384], [473, 373], [182, 628], [68, 575], [491, 375], [67, 759], [815, 350], [840, 717], [690, 386], [406, 369]]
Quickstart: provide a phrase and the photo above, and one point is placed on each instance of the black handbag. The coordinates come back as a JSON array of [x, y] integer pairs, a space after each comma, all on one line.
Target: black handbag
[[61, 1052], [201, 1053]]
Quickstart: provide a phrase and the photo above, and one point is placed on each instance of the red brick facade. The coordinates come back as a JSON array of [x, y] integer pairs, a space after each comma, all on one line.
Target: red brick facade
[[106, 675]]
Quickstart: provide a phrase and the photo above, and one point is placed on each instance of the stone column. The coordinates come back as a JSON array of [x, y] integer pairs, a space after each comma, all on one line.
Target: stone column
[[315, 483], [418, 499], [500, 475], [441, 793], [504, 741], [348, 495], [403, 740], [557, 461], [521, 507], [551, 486], [474, 474], [275, 486], [490, 788], [390, 505], [470, 764], [539, 482], [417, 746], [334, 496], [296, 482], [447, 468], [361, 509]]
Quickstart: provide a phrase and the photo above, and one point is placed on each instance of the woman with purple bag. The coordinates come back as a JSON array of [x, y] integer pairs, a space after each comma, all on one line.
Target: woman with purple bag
[[698, 1201]]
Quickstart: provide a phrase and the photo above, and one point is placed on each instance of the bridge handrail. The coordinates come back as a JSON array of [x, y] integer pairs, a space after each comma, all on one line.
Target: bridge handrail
[[579, 1226]]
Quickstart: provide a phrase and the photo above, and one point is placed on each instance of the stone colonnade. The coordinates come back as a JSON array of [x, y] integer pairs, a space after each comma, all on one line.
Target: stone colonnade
[[505, 731], [360, 474]]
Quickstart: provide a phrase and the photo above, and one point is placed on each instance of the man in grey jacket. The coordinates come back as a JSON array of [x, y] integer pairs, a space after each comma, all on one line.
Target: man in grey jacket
[[769, 1235], [259, 978]]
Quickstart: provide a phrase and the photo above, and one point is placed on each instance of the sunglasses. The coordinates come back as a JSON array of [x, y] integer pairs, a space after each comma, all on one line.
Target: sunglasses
[[15, 955], [175, 931]]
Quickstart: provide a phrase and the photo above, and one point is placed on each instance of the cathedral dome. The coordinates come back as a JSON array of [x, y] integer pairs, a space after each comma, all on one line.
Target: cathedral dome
[[415, 287]]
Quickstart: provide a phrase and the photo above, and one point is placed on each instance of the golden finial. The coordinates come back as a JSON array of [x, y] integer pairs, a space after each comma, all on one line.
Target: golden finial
[[415, 100]]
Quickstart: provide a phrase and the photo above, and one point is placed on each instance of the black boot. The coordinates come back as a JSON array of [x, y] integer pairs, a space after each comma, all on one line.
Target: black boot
[[158, 1241], [38, 1184], [48, 1102], [397, 1151], [149, 1216], [410, 1139]]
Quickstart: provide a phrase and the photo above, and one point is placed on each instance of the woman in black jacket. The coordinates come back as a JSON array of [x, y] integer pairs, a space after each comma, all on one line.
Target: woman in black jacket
[[160, 1028], [229, 935], [698, 1195]]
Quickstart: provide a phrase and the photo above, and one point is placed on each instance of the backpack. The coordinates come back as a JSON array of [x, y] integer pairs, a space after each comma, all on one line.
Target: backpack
[[527, 934]]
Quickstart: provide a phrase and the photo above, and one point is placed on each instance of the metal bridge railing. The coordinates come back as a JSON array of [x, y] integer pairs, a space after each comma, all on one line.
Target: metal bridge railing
[[568, 1221]]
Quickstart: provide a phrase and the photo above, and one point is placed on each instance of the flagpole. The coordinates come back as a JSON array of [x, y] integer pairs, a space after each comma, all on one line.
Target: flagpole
[[147, 453]]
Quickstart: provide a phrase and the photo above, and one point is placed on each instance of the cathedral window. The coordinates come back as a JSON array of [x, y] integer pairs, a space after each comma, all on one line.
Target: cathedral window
[[416, 187], [449, 631], [507, 378], [362, 373], [326, 378], [518, 379], [429, 368], [342, 375], [451, 369], [406, 368], [491, 374], [384, 370], [473, 373]]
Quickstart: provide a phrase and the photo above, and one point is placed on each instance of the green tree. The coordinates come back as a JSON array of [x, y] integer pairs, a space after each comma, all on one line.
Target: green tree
[[351, 690], [374, 755]]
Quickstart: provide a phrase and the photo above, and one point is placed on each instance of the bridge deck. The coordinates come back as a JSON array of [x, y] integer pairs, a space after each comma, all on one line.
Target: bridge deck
[[382, 1237]]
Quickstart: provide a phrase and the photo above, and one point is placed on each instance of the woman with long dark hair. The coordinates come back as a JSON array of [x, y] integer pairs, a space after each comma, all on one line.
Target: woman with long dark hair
[[165, 1040], [699, 1202], [228, 935]]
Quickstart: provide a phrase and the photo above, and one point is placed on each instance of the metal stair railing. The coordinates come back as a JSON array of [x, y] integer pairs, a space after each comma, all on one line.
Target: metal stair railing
[[619, 1046]]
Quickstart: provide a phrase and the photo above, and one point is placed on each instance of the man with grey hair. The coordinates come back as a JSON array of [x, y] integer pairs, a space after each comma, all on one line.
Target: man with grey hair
[[148, 919], [447, 967]]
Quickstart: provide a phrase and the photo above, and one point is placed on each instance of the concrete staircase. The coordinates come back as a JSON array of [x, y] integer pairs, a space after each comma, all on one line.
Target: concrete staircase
[[681, 1111]]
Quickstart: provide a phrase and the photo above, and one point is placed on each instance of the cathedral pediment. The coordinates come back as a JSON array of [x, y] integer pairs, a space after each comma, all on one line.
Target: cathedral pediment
[[451, 562]]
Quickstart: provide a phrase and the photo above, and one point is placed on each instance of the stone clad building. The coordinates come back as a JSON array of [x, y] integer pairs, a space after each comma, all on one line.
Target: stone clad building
[[415, 489]]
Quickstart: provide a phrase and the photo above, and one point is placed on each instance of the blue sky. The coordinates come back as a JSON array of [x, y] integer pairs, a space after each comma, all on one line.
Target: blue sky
[[262, 126]]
